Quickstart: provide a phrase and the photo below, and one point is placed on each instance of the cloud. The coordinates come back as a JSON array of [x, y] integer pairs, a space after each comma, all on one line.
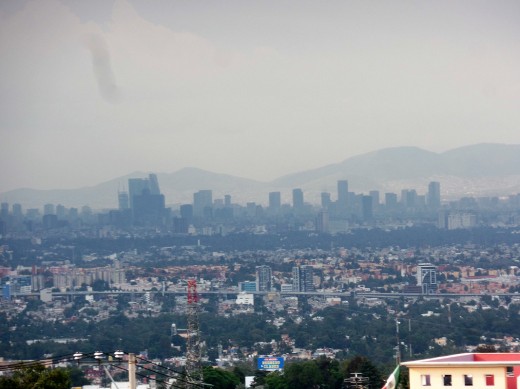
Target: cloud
[[257, 94]]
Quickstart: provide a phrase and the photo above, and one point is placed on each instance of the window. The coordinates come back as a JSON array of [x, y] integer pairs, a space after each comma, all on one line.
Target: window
[[510, 371], [446, 379], [468, 380], [425, 380], [490, 380]]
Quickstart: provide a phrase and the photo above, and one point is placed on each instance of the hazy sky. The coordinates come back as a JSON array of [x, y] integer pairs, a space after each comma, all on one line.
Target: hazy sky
[[91, 90]]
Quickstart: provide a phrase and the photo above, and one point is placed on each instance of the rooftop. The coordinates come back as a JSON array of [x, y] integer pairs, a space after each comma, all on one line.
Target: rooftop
[[483, 359]]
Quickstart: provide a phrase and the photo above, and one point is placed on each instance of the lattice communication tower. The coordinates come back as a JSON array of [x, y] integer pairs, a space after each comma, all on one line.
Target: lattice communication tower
[[193, 346]]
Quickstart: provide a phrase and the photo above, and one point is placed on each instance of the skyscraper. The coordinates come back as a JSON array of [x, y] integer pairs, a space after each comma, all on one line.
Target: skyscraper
[[123, 202], [322, 221], [366, 208], [325, 200], [17, 211], [375, 199], [202, 200], [275, 201], [434, 195], [342, 195], [145, 200], [136, 186], [49, 209], [153, 184], [186, 211], [264, 277], [4, 211], [409, 198], [149, 209], [297, 199], [390, 201]]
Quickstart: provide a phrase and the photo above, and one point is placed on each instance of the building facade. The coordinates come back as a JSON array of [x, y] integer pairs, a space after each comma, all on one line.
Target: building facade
[[466, 371]]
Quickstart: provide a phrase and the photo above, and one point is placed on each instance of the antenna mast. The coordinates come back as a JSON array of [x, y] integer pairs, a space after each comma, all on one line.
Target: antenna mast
[[193, 346]]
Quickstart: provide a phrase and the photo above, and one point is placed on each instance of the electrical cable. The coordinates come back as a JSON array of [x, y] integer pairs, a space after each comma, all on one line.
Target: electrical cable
[[148, 377], [165, 367]]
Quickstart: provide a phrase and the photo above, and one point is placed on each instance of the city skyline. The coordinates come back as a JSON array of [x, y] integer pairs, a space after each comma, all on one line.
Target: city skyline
[[463, 172], [254, 90]]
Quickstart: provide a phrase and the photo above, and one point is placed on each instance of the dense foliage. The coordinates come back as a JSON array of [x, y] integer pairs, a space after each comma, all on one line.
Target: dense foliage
[[37, 377]]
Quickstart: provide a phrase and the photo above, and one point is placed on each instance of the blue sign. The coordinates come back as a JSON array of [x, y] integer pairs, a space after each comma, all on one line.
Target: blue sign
[[270, 363]]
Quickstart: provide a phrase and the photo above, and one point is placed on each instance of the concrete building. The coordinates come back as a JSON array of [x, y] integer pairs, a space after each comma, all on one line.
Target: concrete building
[[303, 279], [264, 276], [342, 202], [297, 199], [275, 201], [460, 371], [322, 221], [245, 299], [202, 203], [434, 196], [427, 278]]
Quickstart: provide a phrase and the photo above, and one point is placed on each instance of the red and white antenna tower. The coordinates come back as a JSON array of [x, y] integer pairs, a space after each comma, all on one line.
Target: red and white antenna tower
[[193, 346]]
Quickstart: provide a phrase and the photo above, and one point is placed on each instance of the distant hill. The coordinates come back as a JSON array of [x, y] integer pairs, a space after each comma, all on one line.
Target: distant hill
[[477, 170], [482, 169], [178, 187]]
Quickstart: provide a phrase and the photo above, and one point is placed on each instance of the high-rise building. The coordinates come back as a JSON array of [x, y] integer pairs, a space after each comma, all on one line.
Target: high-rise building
[[303, 278], [275, 201], [374, 194], [264, 276], [434, 195], [251, 209], [409, 198], [227, 201], [325, 200], [153, 184], [145, 200], [186, 211], [61, 212], [342, 195], [366, 208], [297, 198], [48, 209], [427, 278], [136, 186], [4, 211], [202, 201], [390, 201], [322, 221], [457, 220], [122, 199], [17, 212], [149, 209]]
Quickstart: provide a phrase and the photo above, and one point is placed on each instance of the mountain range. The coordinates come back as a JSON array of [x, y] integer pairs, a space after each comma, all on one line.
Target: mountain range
[[476, 170]]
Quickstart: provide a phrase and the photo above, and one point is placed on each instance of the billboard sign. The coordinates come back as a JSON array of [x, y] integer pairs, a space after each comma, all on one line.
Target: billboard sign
[[270, 363]]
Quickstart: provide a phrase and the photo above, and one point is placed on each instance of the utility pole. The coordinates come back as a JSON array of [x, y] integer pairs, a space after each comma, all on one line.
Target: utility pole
[[131, 371], [357, 381], [410, 337], [398, 348]]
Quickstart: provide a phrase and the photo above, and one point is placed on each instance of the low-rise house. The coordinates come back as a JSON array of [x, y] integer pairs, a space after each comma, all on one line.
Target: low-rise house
[[466, 371]]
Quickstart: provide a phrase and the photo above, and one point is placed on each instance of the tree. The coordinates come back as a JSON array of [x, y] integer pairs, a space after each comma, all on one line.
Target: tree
[[77, 377], [37, 377], [276, 380], [486, 348], [303, 375], [220, 379], [361, 364]]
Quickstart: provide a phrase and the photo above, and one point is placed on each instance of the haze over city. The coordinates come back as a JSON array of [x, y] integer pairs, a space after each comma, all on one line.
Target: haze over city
[[95, 90]]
